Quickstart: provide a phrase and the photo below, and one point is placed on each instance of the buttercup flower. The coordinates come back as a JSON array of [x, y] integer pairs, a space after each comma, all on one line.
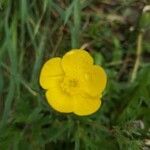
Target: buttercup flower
[[73, 83]]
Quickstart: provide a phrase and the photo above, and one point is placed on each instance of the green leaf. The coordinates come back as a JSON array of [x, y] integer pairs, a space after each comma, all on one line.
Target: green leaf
[[98, 58]]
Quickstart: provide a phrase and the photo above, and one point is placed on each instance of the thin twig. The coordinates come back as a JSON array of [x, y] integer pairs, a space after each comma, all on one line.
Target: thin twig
[[138, 56], [84, 46]]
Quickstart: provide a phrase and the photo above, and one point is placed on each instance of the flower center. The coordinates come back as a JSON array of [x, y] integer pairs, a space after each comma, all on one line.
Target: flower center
[[69, 85]]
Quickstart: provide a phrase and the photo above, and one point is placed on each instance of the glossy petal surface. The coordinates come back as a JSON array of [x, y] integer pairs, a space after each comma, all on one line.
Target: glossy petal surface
[[94, 80], [57, 98], [84, 105], [52, 68], [76, 62]]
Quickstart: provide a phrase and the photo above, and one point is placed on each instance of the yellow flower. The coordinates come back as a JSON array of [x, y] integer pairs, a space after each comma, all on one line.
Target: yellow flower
[[73, 83]]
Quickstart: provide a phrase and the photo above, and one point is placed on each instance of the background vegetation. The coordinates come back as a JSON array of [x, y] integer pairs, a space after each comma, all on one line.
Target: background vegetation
[[115, 32]]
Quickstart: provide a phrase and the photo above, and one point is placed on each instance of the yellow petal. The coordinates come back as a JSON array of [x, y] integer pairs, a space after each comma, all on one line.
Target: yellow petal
[[86, 105], [76, 61], [94, 80], [58, 99], [52, 68]]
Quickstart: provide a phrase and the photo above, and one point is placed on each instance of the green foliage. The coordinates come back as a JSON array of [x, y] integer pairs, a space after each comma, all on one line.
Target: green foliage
[[33, 31]]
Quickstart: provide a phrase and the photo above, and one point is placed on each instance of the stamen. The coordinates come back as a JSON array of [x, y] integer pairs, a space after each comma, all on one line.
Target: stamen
[[69, 85]]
